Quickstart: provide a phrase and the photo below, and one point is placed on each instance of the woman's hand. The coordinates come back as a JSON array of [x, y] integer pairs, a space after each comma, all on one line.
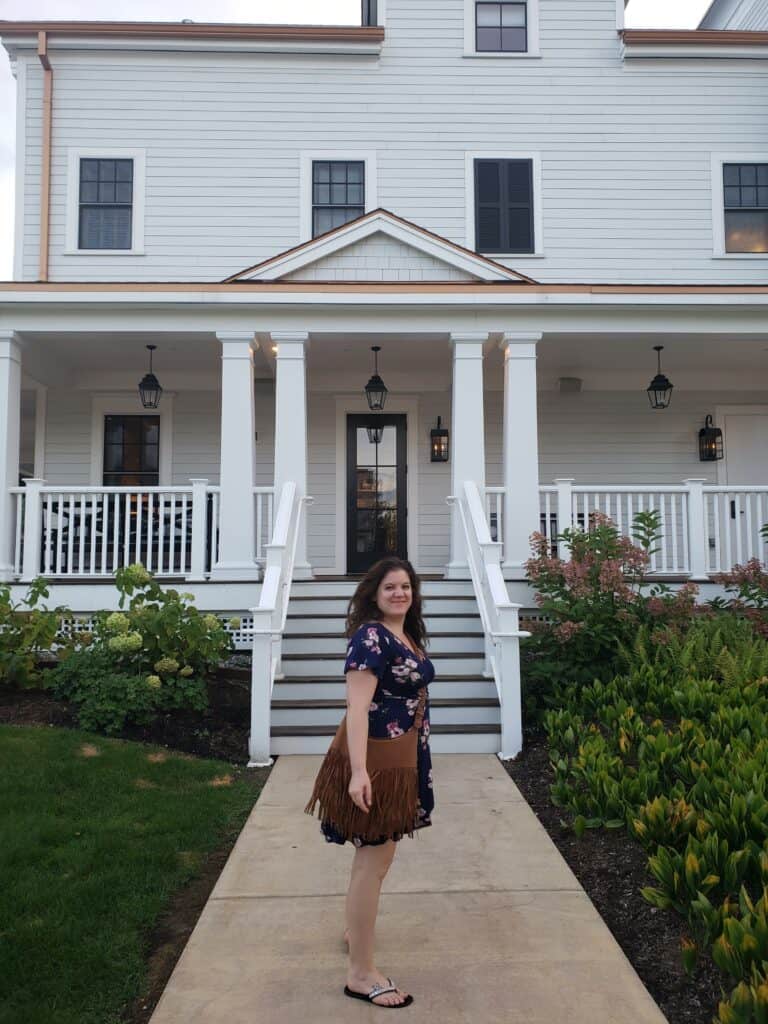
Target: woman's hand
[[360, 790]]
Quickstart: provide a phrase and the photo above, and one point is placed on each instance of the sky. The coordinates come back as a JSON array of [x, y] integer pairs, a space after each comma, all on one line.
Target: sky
[[640, 14]]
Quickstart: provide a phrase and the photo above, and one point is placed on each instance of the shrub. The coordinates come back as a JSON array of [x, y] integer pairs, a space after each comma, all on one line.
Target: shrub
[[150, 656], [749, 585], [26, 632]]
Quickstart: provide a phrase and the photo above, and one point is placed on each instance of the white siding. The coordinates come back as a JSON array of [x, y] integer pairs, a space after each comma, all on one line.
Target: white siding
[[196, 434], [625, 148], [379, 258], [68, 438]]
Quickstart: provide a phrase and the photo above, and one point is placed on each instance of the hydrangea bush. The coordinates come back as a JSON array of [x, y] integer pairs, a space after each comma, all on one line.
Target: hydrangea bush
[[150, 656], [27, 630]]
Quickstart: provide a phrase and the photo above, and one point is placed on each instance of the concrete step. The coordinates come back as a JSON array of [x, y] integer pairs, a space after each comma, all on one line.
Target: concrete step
[[331, 666], [443, 739], [337, 604], [444, 688], [334, 623], [463, 711], [345, 586], [312, 644]]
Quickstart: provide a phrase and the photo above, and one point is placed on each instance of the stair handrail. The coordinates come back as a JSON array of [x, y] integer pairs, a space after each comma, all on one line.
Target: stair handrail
[[269, 618], [499, 615]]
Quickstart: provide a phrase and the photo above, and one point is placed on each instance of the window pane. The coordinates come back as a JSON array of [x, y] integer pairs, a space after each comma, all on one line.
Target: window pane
[[733, 196], [321, 222], [749, 197], [151, 429], [513, 15], [338, 172], [748, 174], [106, 170], [321, 195], [518, 179], [105, 228], [488, 15], [746, 231], [124, 170], [355, 194], [762, 174], [113, 457], [488, 39], [124, 192], [338, 194], [519, 230], [151, 459], [355, 173], [106, 192], [89, 170], [113, 430], [730, 174], [322, 172], [762, 197], [89, 192], [513, 40]]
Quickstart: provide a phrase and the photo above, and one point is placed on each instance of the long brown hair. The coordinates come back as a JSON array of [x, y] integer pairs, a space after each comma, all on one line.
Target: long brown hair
[[363, 608]]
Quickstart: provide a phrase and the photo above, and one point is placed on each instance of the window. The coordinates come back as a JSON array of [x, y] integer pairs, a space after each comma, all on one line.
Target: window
[[338, 193], [131, 451], [106, 204], [504, 211], [500, 28], [745, 199], [105, 201]]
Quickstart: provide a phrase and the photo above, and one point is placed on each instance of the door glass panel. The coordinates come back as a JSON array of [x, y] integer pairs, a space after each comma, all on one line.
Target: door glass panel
[[376, 493]]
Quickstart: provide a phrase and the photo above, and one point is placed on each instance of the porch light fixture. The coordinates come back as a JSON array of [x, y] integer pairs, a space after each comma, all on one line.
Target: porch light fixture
[[439, 442], [710, 442], [659, 390], [149, 388], [375, 390]]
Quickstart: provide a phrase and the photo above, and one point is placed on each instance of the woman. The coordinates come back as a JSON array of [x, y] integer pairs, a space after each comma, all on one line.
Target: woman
[[385, 668]]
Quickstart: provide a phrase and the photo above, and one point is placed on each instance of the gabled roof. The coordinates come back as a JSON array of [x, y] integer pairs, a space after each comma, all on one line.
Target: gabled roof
[[455, 257]]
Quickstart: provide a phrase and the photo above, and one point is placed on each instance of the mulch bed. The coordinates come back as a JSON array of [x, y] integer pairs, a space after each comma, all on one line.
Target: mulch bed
[[611, 867]]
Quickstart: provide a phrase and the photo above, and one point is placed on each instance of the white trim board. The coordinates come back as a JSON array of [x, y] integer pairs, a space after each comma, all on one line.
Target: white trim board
[[357, 404], [74, 155], [126, 404], [469, 192], [718, 203], [20, 169], [371, 183]]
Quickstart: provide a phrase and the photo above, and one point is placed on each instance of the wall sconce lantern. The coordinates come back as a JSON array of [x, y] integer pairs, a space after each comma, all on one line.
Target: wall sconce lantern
[[375, 390], [710, 442], [149, 388], [375, 434], [659, 390], [439, 443]]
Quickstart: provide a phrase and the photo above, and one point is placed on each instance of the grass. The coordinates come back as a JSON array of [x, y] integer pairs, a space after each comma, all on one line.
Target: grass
[[96, 835]]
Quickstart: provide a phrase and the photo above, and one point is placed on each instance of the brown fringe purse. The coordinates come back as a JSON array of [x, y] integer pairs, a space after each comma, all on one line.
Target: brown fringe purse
[[392, 767]]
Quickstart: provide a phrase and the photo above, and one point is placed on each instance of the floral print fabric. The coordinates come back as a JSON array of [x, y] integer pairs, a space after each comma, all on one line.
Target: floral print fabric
[[400, 674]]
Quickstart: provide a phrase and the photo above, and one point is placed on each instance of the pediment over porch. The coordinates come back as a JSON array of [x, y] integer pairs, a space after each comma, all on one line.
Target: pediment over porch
[[384, 248]]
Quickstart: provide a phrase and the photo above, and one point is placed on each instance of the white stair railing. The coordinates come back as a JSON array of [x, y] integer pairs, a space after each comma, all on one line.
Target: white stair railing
[[269, 620], [499, 616]]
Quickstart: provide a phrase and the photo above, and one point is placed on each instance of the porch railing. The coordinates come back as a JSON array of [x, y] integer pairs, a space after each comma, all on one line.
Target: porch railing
[[498, 615], [92, 531]]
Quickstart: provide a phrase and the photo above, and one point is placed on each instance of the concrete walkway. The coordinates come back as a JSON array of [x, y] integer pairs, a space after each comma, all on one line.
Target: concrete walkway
[[480, 918]]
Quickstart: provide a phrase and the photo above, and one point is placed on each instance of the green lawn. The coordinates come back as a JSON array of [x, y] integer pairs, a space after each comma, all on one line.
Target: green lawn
[[94, 838]]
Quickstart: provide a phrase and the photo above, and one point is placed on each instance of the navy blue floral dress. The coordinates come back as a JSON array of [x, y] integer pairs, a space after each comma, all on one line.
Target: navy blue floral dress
[[401, 674]]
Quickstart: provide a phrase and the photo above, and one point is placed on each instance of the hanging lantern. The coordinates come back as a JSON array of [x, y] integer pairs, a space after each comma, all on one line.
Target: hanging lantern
[[375, 434], [149, 388], [375, 390], [710, 442], [439, 439], [659, 390]]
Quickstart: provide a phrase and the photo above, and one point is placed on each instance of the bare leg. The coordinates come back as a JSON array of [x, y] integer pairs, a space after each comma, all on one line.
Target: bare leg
[[369, 869]]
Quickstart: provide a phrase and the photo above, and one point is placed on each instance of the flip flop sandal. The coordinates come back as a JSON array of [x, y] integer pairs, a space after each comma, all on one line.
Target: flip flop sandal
[[379, 990]]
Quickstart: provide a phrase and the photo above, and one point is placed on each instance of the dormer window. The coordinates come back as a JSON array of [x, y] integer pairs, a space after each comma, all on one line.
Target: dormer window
[[501, 28]]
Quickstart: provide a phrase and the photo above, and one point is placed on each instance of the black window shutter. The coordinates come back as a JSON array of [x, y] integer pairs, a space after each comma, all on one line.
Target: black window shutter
[[504, 206]]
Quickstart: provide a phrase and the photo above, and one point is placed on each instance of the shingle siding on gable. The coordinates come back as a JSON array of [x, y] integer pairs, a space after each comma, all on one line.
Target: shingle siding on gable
[[625, 149], [379, 258]]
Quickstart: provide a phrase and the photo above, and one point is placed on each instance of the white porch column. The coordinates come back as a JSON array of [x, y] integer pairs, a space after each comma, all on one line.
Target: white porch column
[[291, 429], [10, 427], [238, 458], [521, 451], [41, 407], [467, 436]]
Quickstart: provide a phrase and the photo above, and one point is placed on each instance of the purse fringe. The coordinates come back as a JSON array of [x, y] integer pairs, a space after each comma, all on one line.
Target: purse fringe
[[394, 801]]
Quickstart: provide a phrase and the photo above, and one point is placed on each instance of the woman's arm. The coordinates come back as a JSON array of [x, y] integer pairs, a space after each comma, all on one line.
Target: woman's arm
[[361, 686]]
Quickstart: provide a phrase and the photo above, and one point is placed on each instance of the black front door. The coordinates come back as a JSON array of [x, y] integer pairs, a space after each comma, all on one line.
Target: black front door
[[376, 498]]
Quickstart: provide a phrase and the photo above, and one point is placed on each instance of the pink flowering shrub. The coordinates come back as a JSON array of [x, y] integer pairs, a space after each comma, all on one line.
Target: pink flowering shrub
[[749, 585], [594, 602]]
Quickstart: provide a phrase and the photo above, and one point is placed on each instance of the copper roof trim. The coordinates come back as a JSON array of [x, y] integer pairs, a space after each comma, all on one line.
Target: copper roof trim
[[693, 37], [144, 29]]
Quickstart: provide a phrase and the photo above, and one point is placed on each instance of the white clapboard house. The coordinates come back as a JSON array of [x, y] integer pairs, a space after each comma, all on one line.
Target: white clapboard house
[[514, 216]]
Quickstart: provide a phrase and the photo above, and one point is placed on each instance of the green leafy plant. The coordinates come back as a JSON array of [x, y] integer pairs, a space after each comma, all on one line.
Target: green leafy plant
[[748, 586], [27, 631]]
